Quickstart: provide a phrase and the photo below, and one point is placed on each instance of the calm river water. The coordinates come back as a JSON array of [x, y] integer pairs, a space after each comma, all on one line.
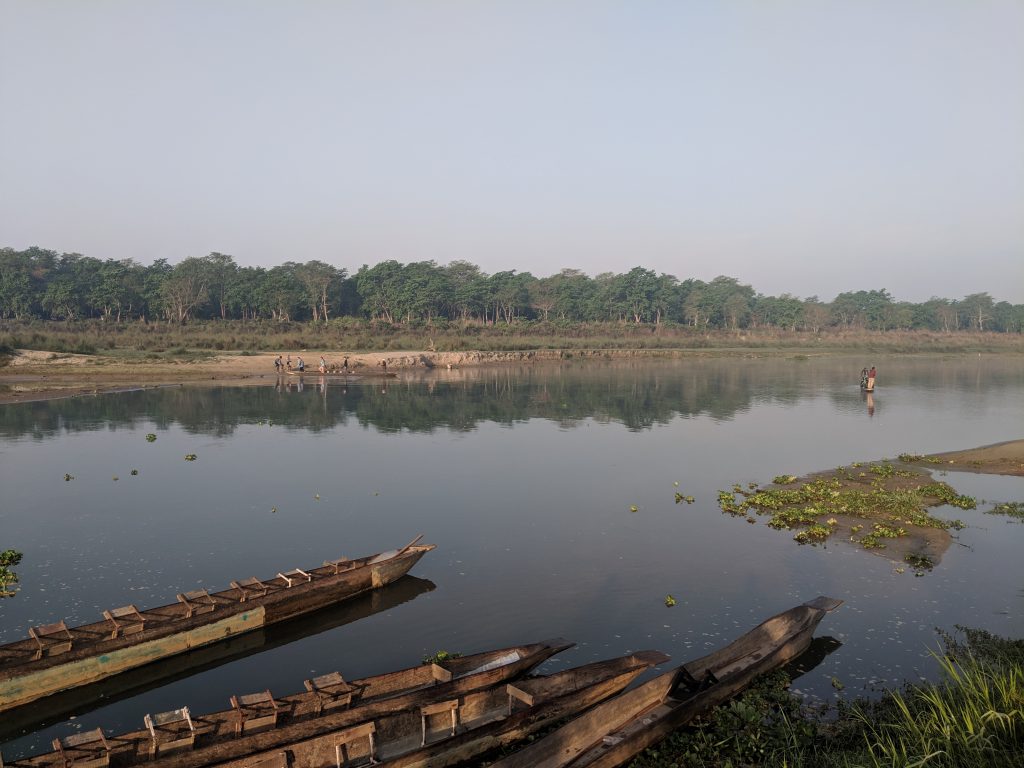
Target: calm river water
[[524, 478]]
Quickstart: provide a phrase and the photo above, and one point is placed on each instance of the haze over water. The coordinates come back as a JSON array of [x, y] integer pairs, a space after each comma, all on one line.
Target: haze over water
[[524, 478]]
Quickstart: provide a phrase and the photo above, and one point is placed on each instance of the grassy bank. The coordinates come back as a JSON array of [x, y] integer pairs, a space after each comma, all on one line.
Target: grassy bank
[[972, 718], [139, 339]]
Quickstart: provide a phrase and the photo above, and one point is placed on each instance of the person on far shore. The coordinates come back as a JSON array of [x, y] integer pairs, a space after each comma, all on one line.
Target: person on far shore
[[384, 365], [871, 379], [288, 363], [323, 365], [278, 364], [344, 365], [300, 363]]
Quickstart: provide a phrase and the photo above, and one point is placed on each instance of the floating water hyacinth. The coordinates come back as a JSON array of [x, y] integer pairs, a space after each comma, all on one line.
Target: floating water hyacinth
[[135, 472], [150, 437], [633, 508], [68, 478], [669, 601], [190, 457]]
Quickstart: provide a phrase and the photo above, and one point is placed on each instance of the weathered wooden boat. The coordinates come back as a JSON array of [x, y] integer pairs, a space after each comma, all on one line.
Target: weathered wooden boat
[[261, 721], [457, 730], [77, 701], [333, 374], [56, 657], [619, 729]]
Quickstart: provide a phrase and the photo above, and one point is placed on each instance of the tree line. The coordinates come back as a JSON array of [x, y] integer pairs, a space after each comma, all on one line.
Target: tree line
[[40, 283]]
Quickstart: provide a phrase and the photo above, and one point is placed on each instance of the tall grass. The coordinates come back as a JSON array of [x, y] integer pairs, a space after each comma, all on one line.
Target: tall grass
[[974, 717], [354, 335]]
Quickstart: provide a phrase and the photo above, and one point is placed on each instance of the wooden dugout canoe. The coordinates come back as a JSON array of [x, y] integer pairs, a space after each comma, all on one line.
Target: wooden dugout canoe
[[78, 701], [260, 722], [620, 728], [461, 729], [57, 658]]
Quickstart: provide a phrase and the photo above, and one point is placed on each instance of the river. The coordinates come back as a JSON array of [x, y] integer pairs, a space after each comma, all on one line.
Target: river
[[525, 477]]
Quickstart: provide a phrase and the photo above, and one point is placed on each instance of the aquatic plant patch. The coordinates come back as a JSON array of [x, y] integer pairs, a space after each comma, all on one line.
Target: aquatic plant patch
[[892, 500]]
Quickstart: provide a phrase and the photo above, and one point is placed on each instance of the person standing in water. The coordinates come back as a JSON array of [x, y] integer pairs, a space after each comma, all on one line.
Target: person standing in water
[[871, 379]]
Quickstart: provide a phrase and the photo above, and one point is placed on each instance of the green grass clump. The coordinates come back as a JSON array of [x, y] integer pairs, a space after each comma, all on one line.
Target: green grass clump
[[971, 718], [439, 656]]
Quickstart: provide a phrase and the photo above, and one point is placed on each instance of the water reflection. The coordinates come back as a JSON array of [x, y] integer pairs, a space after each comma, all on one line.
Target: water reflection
[[638, 395]]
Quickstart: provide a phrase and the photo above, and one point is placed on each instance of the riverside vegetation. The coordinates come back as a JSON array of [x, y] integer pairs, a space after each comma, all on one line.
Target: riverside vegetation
[[972, 718]]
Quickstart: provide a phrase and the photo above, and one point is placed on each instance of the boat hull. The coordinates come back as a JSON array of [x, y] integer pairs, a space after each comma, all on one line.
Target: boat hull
[[24, 679], [619, 729]]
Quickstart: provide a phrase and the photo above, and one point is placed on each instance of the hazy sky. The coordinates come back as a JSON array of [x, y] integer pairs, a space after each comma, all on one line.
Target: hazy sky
[[810, 147]]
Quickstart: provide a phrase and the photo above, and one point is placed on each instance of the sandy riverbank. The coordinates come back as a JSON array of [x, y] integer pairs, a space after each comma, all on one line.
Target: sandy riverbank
[[32, 375]]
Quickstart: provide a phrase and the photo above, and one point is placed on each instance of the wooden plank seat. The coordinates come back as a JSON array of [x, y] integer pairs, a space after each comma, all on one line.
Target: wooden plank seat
[[450, 708], [440, 674], [339, 565], [88, 749], [293, 577], [255, 711], [518, 694], [331, 691], [197, 601], [350, 735], [51, 639], [125, 620], [249, 588], [170, 731]]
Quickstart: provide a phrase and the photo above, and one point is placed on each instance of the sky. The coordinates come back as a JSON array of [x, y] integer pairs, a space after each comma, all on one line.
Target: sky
[[803, 147]]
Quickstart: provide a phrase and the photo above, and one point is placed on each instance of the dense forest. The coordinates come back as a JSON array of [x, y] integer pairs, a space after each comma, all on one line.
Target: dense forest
[[39, 283]]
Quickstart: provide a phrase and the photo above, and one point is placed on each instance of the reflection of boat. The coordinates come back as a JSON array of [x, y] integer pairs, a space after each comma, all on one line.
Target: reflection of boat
[[260, 722], [816, 652], [56, 658], [457, 730], [331, 374], [615, 731], [78, 701]]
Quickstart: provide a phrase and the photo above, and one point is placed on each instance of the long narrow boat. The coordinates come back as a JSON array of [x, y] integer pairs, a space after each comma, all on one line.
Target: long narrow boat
[[56, 658], [78, 701], [455, 731], [261, 721], [620, 728]]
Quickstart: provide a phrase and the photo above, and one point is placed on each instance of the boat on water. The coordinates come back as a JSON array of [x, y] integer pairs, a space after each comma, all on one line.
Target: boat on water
[[617, 730], [460, 729], [78, 701], [351, 375], [261, 721], [56, 657]]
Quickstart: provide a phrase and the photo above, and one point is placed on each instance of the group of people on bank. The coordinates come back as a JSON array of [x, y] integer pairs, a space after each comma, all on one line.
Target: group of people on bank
[[284, 365]]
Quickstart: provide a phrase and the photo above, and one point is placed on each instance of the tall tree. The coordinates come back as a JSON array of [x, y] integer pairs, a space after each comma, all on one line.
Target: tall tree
[[186, 289], [319, 280], [221, 271]]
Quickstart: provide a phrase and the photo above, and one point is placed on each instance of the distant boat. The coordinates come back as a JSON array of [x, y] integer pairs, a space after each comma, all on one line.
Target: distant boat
[[614, 732], [56, 657]]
